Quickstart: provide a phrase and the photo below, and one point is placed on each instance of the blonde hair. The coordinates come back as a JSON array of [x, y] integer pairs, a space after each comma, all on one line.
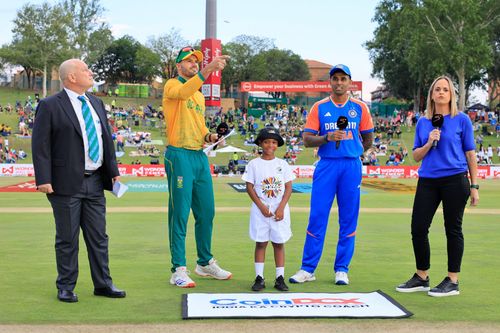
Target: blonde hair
[[431, 106]]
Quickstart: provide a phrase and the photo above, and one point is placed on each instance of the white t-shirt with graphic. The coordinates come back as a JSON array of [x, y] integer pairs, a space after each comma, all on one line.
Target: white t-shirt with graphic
[[269, 178]]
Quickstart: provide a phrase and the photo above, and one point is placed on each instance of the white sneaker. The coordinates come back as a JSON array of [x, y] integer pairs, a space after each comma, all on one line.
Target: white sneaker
[[181, 278], [341, 278], [302, 276], [213, 270]]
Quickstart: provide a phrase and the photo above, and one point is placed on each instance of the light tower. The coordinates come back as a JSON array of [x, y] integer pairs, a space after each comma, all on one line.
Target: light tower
[[211, 47]]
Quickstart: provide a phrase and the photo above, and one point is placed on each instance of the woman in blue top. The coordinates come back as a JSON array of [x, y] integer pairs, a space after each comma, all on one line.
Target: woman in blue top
[[443, 177]]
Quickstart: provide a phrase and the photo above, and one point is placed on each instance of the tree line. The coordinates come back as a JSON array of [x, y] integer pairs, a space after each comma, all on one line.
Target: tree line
[[414, 41], [417, 40], [44, 35]]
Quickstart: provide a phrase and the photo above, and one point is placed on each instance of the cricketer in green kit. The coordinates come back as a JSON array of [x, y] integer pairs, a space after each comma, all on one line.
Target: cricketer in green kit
[[187, 168]]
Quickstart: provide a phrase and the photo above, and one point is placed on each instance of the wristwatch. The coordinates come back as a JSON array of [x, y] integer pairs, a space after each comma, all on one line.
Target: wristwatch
[[476, 186]]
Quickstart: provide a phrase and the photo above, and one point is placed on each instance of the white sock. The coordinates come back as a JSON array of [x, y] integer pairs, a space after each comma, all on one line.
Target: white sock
[[259, 269], [280, 271]]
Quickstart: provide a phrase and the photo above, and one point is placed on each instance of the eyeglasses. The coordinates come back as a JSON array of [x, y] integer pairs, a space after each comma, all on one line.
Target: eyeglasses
[[187, 49]]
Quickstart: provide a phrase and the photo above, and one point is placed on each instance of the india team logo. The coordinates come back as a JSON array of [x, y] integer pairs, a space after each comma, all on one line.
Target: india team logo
[[271, 187], [352, 113]]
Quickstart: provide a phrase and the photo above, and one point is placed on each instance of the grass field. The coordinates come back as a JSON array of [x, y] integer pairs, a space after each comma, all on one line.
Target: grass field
[[139, 259]]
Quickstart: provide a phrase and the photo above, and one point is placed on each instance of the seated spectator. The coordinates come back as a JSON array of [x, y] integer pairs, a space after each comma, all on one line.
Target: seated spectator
[[22, 154], [390, 133], [398, 131], [5, 130], [377, 141]]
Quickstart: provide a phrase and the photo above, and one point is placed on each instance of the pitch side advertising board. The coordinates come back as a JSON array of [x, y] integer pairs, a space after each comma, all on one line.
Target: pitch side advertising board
[[300, 171]]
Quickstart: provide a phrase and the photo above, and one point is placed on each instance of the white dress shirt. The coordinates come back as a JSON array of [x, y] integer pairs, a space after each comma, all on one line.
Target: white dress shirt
[[77, 107]]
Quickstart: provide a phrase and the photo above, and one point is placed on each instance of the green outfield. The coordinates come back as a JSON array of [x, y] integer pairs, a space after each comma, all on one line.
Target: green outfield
[[139, 258]]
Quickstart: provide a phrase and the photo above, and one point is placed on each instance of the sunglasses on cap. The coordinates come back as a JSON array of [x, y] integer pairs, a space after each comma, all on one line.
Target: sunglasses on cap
[[186, 52]]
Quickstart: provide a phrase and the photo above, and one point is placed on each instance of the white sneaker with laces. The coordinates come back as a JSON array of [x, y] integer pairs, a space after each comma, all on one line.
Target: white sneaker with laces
[[181, 278], [302, 276], [341, 278], [213, 270]]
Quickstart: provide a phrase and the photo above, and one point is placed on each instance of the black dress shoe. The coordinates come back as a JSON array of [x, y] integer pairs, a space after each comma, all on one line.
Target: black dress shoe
[[110, 291], [67, 296]]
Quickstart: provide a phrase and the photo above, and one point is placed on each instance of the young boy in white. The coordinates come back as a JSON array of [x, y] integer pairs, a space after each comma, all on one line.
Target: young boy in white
[[269, 185]]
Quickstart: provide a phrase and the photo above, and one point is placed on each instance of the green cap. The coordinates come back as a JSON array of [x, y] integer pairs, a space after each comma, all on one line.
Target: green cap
[[188, 51]]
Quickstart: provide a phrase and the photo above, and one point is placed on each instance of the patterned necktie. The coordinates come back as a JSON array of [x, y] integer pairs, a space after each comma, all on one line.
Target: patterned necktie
[[90, 129]]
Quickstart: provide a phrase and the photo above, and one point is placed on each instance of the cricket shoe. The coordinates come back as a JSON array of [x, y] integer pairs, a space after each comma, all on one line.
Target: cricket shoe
[[181, 278], [213, 270]]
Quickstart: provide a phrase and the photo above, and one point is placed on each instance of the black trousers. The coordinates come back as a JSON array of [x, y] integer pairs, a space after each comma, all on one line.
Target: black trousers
[[452, 192], [85, 210]]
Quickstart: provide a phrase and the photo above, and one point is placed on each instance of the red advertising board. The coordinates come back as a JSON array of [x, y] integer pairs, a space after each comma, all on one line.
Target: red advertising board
[[300, 171], [142, 170], [293, 86], [211, 48]]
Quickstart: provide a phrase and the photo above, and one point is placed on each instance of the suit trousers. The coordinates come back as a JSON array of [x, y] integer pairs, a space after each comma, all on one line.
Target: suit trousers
[[86, 210], [453, 192]]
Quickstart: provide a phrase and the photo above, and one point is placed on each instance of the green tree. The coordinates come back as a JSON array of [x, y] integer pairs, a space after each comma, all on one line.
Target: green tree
[[399, 51], [493, 72], [89, 34], [21, 53], [42, 31], [241, 50], [461, 30], [166, 47], [148, 64], [127, 60], [278, 65], [418, 39]]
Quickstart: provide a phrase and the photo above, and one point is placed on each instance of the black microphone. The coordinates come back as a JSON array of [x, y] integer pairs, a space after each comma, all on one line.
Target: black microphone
[[222, 130], [341, 125], [437, 122]]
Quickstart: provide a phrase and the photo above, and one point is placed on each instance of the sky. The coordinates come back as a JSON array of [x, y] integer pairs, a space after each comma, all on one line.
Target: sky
[[329, 31]]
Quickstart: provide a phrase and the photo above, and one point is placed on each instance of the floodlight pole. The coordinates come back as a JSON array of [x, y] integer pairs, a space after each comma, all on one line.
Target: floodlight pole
[[211, 19]]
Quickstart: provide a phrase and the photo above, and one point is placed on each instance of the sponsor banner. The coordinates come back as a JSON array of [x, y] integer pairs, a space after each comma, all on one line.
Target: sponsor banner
[[20, 170], [147, 186], [142, 170], [21, 187], [211, 48], [391, 171], [495, 171], [303, 171], [292, 305], [300, 171], [483, 171], [293, 86]]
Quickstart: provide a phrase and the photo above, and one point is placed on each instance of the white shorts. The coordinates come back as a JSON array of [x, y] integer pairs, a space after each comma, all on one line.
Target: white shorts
[[264, 229]]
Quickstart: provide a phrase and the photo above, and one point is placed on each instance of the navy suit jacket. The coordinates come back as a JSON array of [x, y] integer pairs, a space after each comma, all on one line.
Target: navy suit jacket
[[57, 144]]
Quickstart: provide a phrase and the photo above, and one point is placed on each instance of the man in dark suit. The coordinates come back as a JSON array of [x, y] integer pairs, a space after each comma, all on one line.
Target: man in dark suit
[[74, 163]]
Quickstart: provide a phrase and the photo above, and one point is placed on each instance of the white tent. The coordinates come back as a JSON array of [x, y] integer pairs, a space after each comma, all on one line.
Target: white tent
[[230, 149]]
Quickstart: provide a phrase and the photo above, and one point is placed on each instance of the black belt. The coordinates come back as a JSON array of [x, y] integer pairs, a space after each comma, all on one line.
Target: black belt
[[88, 173]]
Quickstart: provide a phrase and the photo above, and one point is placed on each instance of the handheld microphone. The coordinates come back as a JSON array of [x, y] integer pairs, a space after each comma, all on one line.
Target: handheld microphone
[[341, 125], [437, 123], [221, 130]]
